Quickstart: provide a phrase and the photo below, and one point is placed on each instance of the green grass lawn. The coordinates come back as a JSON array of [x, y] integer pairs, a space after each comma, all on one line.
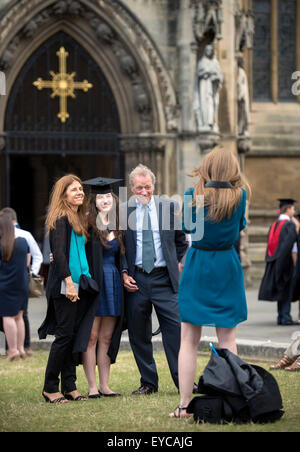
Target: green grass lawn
[[22, 408]]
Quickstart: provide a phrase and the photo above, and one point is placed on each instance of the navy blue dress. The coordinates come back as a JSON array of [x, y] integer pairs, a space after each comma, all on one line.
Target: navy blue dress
[[110, 298], [14, 280]]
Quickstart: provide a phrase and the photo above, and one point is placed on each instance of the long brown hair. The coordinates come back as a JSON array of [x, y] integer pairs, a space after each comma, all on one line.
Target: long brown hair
[[60, 207], [7, 236], [103, 233], [220, 165]]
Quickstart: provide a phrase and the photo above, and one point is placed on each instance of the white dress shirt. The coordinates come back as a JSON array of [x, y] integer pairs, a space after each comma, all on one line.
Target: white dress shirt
[[160, 261], [36, 255]]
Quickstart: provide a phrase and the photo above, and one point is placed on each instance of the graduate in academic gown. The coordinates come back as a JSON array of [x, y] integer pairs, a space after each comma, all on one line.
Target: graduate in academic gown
[[104, 249], [276, 284], [296, 279]]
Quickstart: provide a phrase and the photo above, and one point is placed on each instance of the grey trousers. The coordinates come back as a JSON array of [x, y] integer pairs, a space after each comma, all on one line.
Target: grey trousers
[[293, 350]]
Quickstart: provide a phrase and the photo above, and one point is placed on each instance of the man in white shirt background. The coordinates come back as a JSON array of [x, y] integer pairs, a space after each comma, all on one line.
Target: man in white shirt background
[[36, 261]]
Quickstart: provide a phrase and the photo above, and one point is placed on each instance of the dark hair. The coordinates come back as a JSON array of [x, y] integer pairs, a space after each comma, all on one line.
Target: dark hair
[[103, 233], [11, 213], [7, 236], [284, 208]]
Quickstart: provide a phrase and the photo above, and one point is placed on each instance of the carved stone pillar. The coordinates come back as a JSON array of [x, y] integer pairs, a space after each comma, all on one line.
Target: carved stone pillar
[[148, 150]]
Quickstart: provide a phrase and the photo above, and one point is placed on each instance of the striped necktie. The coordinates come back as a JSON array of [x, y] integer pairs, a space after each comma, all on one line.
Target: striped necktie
[[148, 252]]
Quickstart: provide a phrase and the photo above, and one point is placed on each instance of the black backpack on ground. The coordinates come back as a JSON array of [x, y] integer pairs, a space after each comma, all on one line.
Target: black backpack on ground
[[235, 391]]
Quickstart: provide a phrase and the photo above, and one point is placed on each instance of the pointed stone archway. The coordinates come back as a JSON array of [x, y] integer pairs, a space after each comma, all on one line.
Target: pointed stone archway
[[129, 60]]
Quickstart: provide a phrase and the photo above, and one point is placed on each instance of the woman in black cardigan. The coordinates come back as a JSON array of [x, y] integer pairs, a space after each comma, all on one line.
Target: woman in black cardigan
[[69, 317]]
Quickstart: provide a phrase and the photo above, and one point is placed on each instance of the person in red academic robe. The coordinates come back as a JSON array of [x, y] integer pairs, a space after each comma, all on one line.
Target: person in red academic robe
[[276, 284], [296, 281]]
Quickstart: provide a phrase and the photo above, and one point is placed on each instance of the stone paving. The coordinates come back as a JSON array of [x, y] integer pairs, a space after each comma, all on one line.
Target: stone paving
[[259, 336]]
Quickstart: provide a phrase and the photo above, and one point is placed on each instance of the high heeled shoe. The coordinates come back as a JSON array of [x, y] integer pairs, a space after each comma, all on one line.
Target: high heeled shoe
[[57, 400], [79, 398]]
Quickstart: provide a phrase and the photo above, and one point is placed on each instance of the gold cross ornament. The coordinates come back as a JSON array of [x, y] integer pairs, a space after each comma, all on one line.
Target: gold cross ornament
[[62, 84]]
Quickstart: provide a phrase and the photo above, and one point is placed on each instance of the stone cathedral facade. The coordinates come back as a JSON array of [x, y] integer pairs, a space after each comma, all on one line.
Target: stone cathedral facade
[[96, 86]]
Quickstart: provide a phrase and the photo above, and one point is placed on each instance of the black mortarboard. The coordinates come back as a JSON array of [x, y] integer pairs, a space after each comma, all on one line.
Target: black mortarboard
[[101, 185], [286, 202]]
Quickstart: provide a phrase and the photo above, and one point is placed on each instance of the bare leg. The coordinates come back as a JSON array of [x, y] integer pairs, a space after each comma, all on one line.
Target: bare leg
[[89, 358], [11, 334], [226, 338], [20, 333], [187, 364], [105, 334]]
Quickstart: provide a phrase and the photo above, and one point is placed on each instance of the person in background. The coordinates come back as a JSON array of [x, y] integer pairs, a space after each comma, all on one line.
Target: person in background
[[296, 260], [277, 282], [208, 295], [290, 360], [14, 263], [105, 249], [69, 317], [36, 261]]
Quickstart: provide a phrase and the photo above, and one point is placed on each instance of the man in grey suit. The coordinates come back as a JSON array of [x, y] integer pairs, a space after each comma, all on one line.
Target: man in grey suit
[[155, 245]]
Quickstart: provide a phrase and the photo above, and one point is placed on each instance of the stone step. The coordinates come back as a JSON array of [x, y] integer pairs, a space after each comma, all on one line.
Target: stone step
[[274, 112], [254, 230], [258, 234], [257, 253], [265, 127], [276, 141], [256, 272], [278, 119]]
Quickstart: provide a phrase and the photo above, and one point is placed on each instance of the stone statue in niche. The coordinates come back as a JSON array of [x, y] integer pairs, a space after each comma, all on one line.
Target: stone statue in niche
[[209, 79], [243, 99]]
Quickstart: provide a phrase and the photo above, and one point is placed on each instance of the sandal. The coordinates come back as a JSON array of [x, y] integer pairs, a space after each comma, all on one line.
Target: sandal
[[284, 362], [79, 398], [295, 367], [58, 400], [177, 412]]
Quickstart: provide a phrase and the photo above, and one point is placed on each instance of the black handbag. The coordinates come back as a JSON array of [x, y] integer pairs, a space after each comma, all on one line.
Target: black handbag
[[86, 283]]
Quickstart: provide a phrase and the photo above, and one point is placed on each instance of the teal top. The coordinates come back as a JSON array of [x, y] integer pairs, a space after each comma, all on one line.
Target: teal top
[[78, 263]]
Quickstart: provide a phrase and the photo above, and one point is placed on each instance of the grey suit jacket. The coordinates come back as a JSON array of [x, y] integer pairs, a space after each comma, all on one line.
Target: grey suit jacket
[[173, 240]]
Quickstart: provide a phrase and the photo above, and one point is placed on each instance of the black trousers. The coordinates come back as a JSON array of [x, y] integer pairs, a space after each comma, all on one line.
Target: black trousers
[[27, 341], [154, 290], [60, 362]]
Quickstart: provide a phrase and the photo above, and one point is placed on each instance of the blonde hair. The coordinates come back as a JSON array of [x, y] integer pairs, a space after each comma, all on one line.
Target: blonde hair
[[220, 165], [60, 207]]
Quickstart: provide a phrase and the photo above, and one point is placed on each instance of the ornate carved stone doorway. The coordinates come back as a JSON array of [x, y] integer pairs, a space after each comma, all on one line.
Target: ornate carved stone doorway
[[136, 75], [40, 147]]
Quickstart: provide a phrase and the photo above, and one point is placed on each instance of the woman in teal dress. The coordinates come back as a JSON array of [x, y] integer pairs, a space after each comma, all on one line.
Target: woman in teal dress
[[211, 290]]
